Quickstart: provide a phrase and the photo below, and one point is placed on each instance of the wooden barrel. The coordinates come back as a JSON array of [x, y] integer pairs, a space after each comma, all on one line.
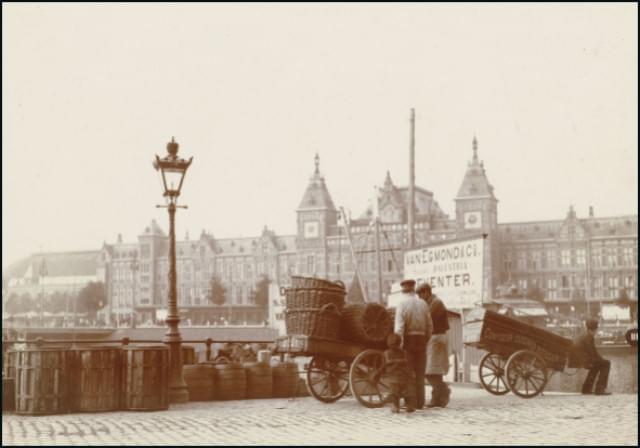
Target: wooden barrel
[[229, 381], [188, 355], [96, 375], [42, 381], [8, 394], [199, 379], [369, 323], [145, 381], [285, 380], [264, 355], [9, 364], [259, 380]]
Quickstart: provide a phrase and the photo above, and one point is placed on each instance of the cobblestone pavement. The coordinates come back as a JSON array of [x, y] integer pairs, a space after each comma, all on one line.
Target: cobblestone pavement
[[473, 417]]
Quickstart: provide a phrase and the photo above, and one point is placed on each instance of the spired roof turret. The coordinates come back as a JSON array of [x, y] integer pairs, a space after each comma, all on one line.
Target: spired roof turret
[[475, 182], [316, 195]]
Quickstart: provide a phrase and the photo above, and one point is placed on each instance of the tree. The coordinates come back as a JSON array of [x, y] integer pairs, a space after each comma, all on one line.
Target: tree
[[217, 293], [13, 304], [623, 301], [260, 293], [26, 303], [59, 302], [623, 298], [92, 298]]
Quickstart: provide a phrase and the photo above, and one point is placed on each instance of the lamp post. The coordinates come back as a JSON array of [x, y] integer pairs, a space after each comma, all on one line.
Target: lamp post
[[134, 273], [173, 170]]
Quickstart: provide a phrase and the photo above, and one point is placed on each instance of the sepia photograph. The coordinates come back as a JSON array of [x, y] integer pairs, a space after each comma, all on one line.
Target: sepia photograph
[[304, 224]]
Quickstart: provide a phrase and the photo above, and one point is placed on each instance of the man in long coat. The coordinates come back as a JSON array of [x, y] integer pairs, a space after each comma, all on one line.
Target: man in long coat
[[437, 348]]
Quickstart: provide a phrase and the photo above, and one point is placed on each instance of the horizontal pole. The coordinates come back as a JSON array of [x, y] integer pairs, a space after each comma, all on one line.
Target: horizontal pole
[[133, 341]]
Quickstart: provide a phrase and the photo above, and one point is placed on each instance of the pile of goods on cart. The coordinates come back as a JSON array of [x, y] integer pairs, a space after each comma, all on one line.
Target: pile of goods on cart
[[344, 341], [316, 307]]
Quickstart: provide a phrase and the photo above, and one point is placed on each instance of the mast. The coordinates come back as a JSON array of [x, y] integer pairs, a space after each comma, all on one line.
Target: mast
[[379, 260], [353, 254], [412, 183]]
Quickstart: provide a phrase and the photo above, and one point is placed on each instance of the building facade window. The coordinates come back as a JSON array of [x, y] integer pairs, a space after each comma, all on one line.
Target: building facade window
[[596, 257], [565, 257], [628, 256], [581, 257], [552, 288], [612, 259], [551, 259], [145, 251]]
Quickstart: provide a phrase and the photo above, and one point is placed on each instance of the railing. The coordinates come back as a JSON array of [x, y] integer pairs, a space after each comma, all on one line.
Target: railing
[[126, 341]]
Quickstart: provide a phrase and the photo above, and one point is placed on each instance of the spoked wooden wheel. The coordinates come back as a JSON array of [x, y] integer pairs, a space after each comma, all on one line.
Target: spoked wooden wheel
[[526, 373], [367, 381], [492, 374], [327, 380]]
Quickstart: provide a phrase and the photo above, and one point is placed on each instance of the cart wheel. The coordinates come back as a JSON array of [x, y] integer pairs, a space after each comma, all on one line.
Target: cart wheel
[[222, 360], [526, 373], [367, 381], [327, 380], [492, 374]]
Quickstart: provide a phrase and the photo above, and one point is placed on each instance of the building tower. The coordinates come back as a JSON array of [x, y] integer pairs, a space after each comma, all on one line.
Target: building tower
[[477, 213], [316, 215]]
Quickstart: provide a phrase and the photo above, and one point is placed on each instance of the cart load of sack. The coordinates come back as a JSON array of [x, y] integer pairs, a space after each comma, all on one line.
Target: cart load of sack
[[316, 307]]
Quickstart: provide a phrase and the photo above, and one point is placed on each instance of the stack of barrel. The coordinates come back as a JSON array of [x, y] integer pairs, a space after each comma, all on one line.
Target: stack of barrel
[[212, 380], [313, 307], [55, 380]]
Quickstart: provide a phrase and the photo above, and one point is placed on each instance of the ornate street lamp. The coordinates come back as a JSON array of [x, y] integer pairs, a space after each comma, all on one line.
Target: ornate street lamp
[[134, 273], [173, 170]]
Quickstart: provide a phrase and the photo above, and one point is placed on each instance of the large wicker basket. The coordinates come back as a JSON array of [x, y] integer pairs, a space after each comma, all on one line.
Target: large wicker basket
[[312, 298], [317, 322], [314, 282]]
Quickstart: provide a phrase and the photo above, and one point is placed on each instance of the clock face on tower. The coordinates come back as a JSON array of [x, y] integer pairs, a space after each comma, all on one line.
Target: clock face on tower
[[311, 229], [473, 220]]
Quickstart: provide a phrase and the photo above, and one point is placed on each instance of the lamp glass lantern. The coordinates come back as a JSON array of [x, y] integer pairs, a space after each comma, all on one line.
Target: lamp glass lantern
[[172, 169]]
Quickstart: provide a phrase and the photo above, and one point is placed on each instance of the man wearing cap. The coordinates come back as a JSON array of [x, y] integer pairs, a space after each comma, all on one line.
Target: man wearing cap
[[597, 365], [437, 348], [413, 324]]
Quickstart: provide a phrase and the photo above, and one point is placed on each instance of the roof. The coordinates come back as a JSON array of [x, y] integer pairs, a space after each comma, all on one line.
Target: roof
[[398, 197], [56, 264], [475, 182], [588, 227], [153, 229], [316, 196]]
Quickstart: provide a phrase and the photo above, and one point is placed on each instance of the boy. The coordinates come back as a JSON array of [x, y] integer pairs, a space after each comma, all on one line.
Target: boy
[[398, 375]]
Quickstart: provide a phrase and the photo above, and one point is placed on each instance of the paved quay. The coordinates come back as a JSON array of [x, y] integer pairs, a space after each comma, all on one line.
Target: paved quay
[[473, 417]]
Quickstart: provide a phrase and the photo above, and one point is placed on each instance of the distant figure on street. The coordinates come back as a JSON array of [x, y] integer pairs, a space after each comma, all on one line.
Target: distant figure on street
[[591, 359], [413, 325], [437, 348], [398, 375]]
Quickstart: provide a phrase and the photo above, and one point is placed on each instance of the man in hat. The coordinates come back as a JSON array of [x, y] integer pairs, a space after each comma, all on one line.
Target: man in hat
[[437, 348], [413, 325], [597, 365]]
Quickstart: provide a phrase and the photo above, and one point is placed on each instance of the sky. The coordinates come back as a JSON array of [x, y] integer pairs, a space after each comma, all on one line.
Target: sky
[[92, 92]]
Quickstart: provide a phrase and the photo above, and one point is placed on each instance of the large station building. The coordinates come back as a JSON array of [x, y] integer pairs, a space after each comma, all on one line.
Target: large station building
[[561, 261]]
